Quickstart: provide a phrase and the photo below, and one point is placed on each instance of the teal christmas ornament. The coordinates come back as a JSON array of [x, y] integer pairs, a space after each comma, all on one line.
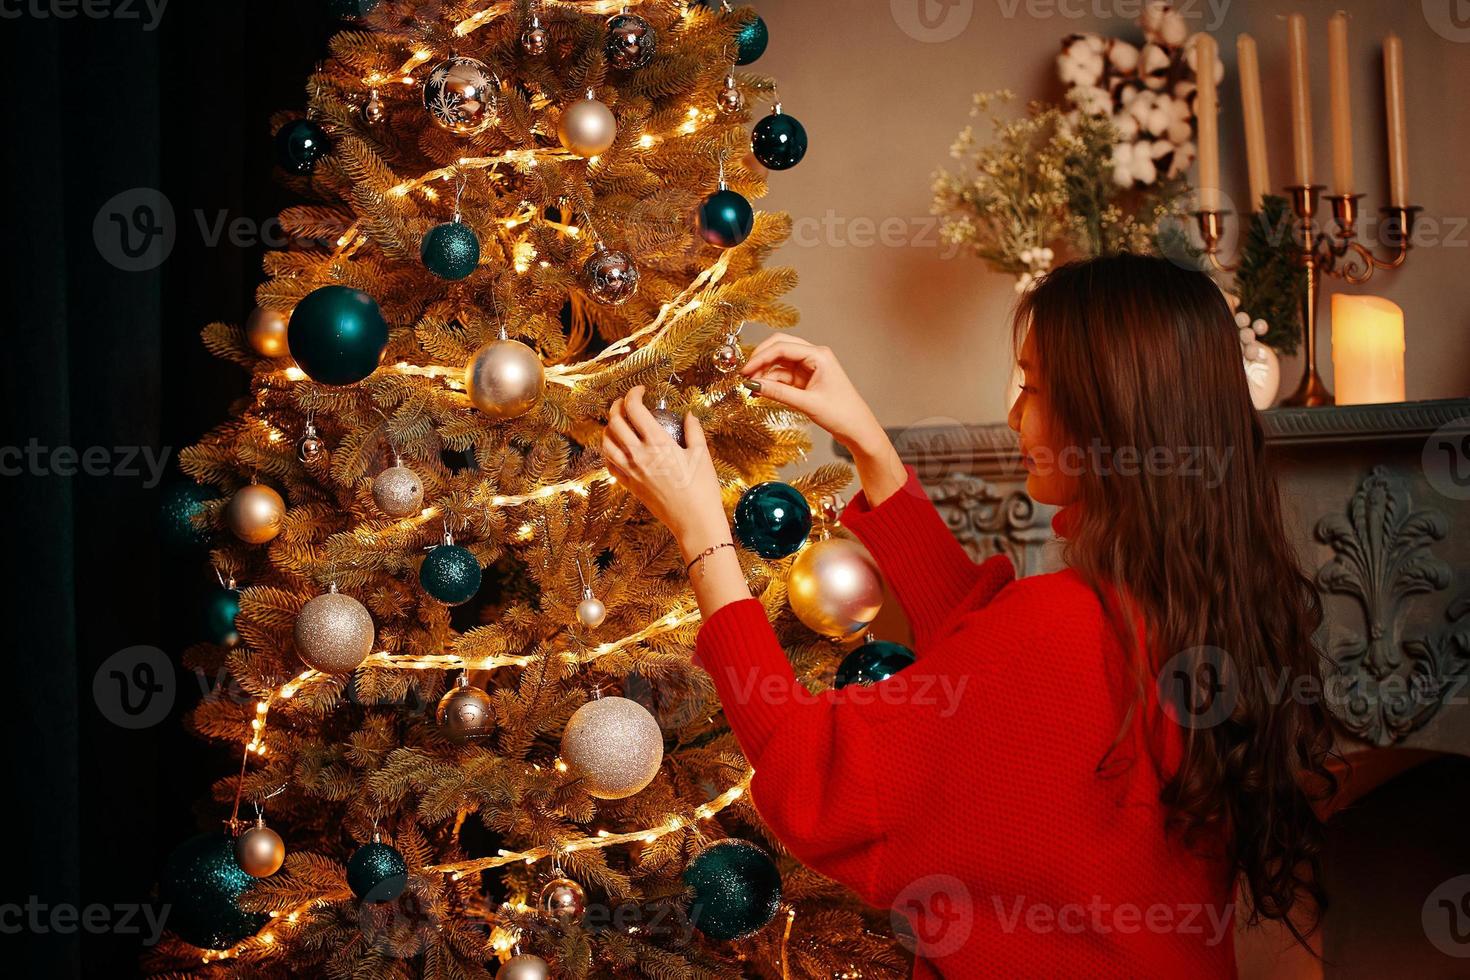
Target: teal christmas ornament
[[451, 250], [725, 218], [779, 140], [751, 41], [351, 9], [221, 607], [337, 335], [182, 503], [735, 889], [377, 873], [450, 573], [200, 886], [300, 144], [772, 519], [873, 661]]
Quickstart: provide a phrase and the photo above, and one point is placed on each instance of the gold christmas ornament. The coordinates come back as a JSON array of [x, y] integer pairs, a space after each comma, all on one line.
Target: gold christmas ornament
[[504, 379], [460, 96], [524, 966], [614, 746], [587, 127], [564, 899], [728, 356], [255, 513], [334, 633], [260, 850], [590, 611], [266, 331], [535, 38], [311, 447], [834, 587], [398, 491], [373, 110], [464, 711], [730, 101]]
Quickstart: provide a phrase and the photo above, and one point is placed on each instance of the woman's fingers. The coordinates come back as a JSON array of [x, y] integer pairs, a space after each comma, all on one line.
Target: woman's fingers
[[693, 434], [642, 419], [807, 355], [776, 338], [616, 459], [621, 433], [790, 395]]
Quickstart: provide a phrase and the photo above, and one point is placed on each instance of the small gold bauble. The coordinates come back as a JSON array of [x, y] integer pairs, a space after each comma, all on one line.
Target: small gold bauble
[[524, 966], [587, 127], [730, 100], [504, 379], [614, 746], [254, 514], [398, 491], [534, 39], [334, 633], [373, 110], [590, 611], [834, 587], [728, 357], [464, 713], [266, 331], [563, 898], [260, 851]]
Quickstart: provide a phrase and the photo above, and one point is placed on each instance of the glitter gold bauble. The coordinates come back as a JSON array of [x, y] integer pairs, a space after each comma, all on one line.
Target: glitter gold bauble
[[587, 127], [524, 966], [398, 491], [464, 712], [260, 851], [834, 587], [255, 513], [504, 379], [563, 898], [334, 633], [266, 331], [614, 745], [460, 96]]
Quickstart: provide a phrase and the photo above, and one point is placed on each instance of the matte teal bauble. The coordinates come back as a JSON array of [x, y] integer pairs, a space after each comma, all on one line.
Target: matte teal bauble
[[772, 519], [752, 41], [377, 873], [200, 885], [182, 503], [450, 574], [451, 250], [337, 335], [779, 141], [221, 607], [725, 218], [736, 889], [873, 661], [300, 144]]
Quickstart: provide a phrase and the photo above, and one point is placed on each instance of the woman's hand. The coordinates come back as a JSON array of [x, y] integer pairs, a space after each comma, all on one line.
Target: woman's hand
[[678, 485], [806, 377]]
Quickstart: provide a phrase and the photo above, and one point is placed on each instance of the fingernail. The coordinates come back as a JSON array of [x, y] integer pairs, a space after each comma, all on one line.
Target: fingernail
[[754, 387]]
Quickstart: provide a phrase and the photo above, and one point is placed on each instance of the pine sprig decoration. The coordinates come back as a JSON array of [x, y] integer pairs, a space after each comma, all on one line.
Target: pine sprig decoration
[[1269, 280]]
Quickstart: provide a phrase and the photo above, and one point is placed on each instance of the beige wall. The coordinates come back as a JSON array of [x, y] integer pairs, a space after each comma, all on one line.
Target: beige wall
[[923, 333]]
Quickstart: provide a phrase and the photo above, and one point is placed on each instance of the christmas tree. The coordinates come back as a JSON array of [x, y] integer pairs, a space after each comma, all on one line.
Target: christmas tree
[[458, 652]]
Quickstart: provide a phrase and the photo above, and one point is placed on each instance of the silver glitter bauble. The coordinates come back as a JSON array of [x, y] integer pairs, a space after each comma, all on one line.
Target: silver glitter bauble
[[334, 633], [564, 899], [464, 712], [255, 513], [266, 331], [671, 422], [730, 100], [259, 851], [728, 356], [460, 96], [587, 127], [834, 587], [505, 379], [398, 491], [614, 746], [611, 276], [590, 611], [534, 39], [372, 112], [524, 966], [631, 41]]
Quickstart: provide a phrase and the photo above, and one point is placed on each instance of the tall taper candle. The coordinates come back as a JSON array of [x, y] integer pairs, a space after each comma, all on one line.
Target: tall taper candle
[[1301, 101], [1254, 117], [1342, 113], [1206, 53], [1398, 138]]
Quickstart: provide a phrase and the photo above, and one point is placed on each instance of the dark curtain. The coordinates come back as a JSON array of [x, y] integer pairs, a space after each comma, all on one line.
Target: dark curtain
[[106, 359]]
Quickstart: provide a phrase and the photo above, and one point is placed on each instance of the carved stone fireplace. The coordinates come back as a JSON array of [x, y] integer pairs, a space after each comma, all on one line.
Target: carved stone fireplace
[[1377, 499]]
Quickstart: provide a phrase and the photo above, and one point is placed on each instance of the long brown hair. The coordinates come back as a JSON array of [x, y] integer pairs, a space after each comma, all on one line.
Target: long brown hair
[[1139, 352]]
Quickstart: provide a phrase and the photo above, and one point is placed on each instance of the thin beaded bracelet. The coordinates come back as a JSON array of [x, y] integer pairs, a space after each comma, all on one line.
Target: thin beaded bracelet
[[705, 554]]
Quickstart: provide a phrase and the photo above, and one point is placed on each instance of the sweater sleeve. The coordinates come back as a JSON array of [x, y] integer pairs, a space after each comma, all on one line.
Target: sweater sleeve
[[815, 756], [921, 561]]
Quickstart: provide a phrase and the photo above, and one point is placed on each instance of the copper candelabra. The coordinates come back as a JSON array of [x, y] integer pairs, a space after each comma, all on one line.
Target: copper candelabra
[[1337, 254]]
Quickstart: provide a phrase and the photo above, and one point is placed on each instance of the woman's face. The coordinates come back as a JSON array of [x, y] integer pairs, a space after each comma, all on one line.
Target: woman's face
[[1051, 465]]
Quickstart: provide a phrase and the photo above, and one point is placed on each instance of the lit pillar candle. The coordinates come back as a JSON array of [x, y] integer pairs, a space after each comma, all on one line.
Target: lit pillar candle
[[1254, 117], [1206, 53], [1342, 113], [1398, 139], [1367, 349], [1301, 100]]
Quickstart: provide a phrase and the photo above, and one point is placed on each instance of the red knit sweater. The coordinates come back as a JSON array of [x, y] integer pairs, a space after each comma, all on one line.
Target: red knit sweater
[[969, 794]]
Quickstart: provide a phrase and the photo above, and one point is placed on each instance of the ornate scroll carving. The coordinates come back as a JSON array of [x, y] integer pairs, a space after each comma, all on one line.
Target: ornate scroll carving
[[1391, 684], [988, 520]]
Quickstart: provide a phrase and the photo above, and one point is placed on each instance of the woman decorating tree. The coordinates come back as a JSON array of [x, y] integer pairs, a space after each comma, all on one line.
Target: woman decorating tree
[[1080, 767]]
